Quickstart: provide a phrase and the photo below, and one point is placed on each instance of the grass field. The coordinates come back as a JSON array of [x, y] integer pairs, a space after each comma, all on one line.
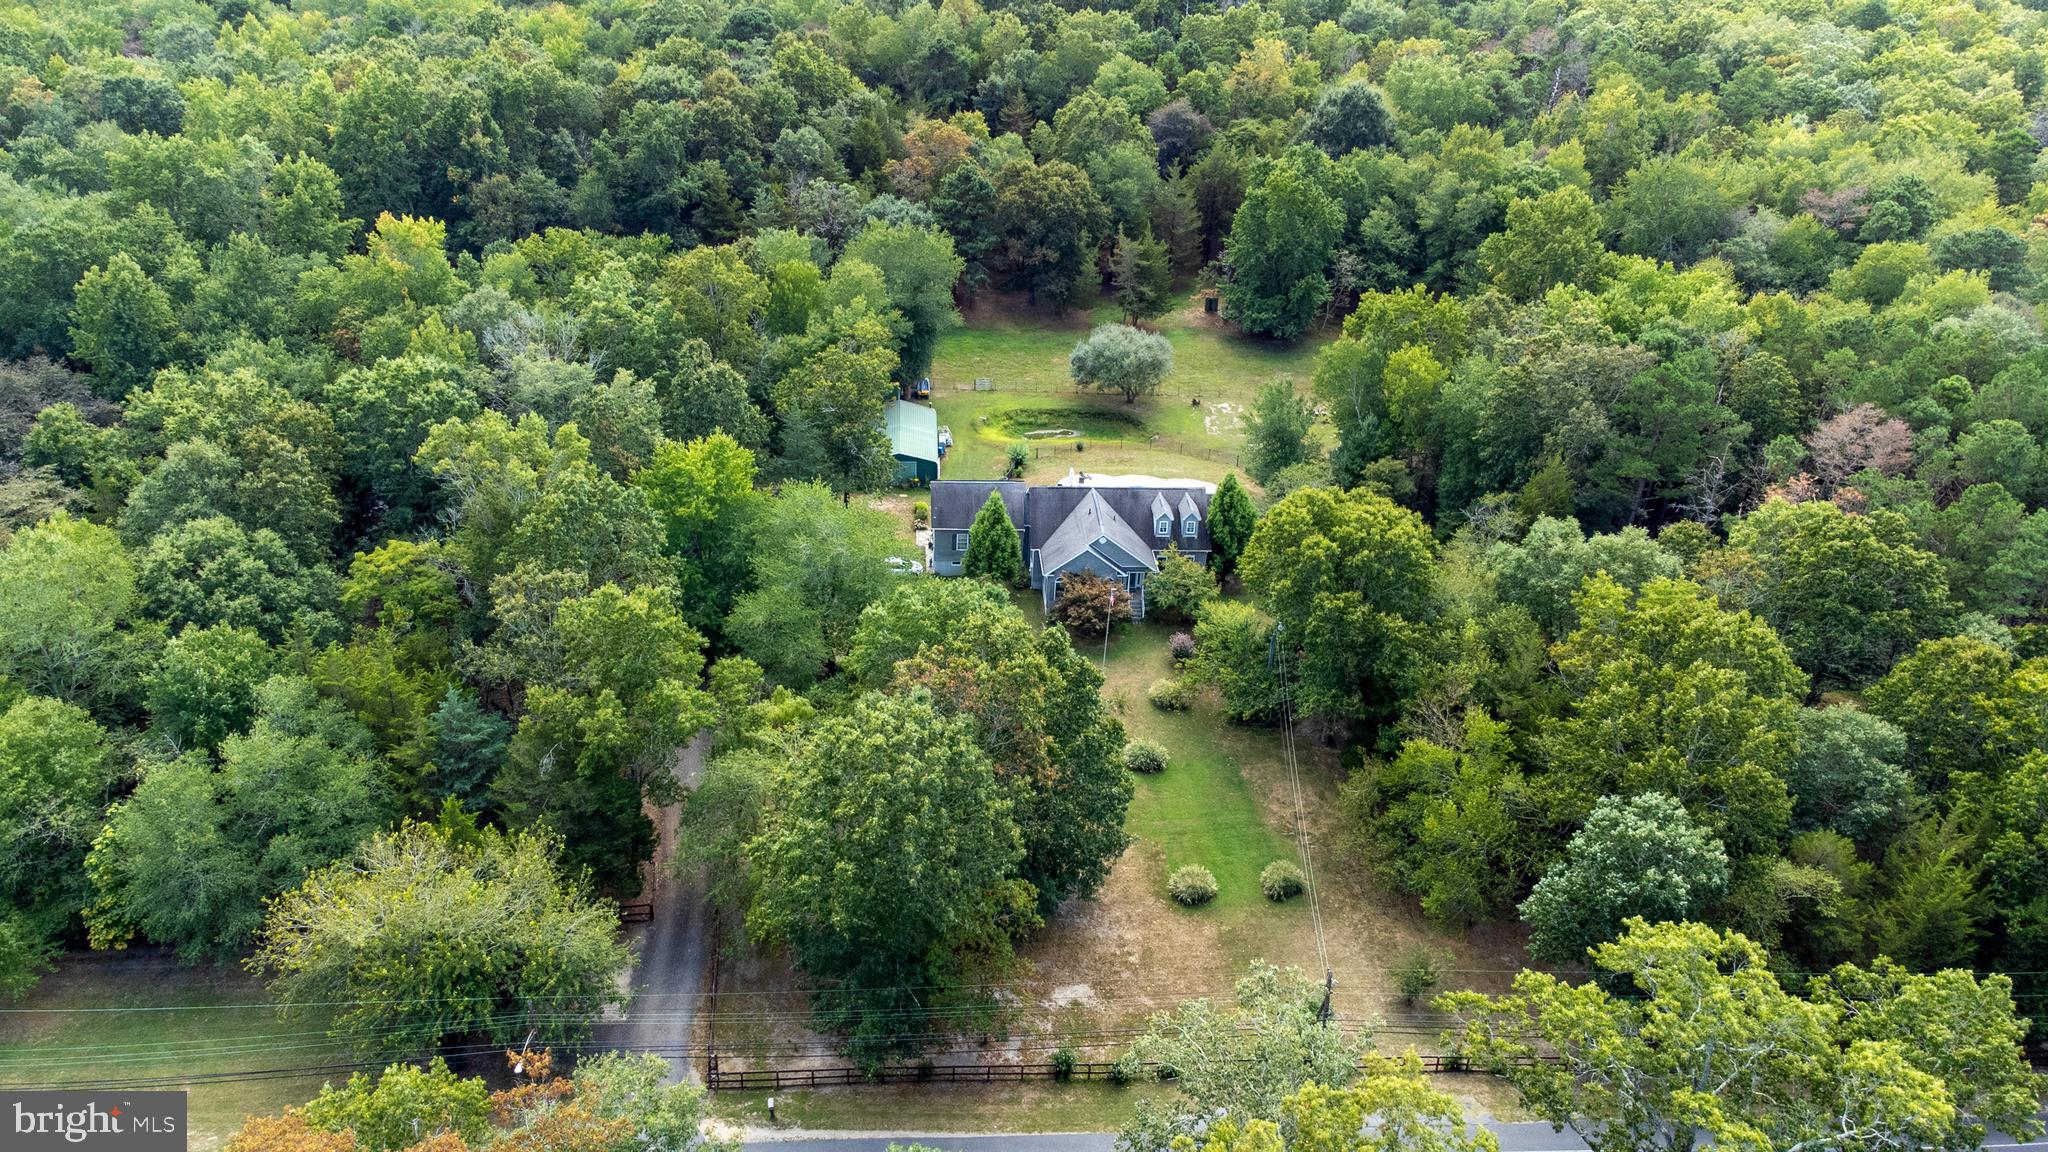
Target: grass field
[[1101, 966], [127, 1017], [1201, 809], [1225, 801], [1024, 356]]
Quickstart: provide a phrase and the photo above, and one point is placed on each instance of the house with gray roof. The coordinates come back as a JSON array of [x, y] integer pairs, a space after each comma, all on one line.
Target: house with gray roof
[[1109, 526]]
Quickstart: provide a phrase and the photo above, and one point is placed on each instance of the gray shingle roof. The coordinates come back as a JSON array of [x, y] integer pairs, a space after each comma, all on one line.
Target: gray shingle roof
[[1048, 508], [1092, 520], [954, 502], [1040, 513]]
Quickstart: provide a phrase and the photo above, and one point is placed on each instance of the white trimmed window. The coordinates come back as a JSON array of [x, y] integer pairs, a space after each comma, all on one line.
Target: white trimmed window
[[1163, 526], [1187, 527], [960, 541]]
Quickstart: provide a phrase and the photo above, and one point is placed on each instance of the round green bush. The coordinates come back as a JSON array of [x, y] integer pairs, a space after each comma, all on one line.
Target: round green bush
[[1063, 1065], [1169, 695], [1145, 757], [1192, 885], [1282, 880]]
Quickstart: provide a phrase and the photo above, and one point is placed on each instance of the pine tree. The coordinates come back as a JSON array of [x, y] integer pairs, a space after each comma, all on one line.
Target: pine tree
[[1141, 278], [992, 544], [1231, 520]]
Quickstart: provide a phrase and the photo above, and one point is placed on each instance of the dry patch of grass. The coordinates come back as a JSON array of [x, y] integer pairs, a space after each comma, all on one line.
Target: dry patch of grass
[[142, 1016], [1101, 966], [1023, 352], [899, 1108], [1226, 801]]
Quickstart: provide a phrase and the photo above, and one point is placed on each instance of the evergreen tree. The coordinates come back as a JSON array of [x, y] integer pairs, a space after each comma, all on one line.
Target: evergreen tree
[[1231, 520], [1140, 276], [1276, 430], [992, 550]]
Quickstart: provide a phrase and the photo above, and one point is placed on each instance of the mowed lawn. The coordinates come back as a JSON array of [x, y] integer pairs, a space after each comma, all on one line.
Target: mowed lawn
[[1132, 947], [1201, 810], [1024, 356], [125, 1018], [1226, 802]]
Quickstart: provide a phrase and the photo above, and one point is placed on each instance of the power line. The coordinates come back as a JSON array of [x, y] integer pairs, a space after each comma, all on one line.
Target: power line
[[1308, 864]]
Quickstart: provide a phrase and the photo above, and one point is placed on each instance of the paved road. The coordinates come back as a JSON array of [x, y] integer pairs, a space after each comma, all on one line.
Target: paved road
[[675, 946]]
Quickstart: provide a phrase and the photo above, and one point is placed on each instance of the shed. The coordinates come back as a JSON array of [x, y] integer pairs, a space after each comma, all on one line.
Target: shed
[[914, 441]]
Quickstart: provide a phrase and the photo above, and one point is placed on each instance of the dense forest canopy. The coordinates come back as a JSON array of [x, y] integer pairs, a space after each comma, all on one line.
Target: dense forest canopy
[[426, 411]]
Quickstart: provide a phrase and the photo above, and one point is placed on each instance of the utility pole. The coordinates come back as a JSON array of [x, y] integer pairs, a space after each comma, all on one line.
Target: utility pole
[[1323, 1014], [1108, 618]]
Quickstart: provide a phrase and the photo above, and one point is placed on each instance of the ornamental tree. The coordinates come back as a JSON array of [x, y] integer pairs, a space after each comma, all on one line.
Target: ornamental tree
[[1231, 521], [1122, 359]]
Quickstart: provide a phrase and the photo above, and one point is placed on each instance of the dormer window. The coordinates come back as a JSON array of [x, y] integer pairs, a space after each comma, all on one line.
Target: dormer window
[[1187, 527], [1163, 526]]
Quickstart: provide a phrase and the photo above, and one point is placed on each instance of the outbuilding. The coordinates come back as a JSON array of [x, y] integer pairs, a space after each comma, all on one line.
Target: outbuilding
[[914, 441]]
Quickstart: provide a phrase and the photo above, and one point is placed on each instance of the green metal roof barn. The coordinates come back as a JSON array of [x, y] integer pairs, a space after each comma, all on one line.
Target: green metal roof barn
[[914, 441]]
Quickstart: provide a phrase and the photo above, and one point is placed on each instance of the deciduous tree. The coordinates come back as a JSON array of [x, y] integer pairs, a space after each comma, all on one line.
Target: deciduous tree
[[1241, 1059], [1348, 575], [1281, 242], [1642, 857], [1121, 359], [1701, 1007], [121, 325], [432, 931], [891, 913]]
